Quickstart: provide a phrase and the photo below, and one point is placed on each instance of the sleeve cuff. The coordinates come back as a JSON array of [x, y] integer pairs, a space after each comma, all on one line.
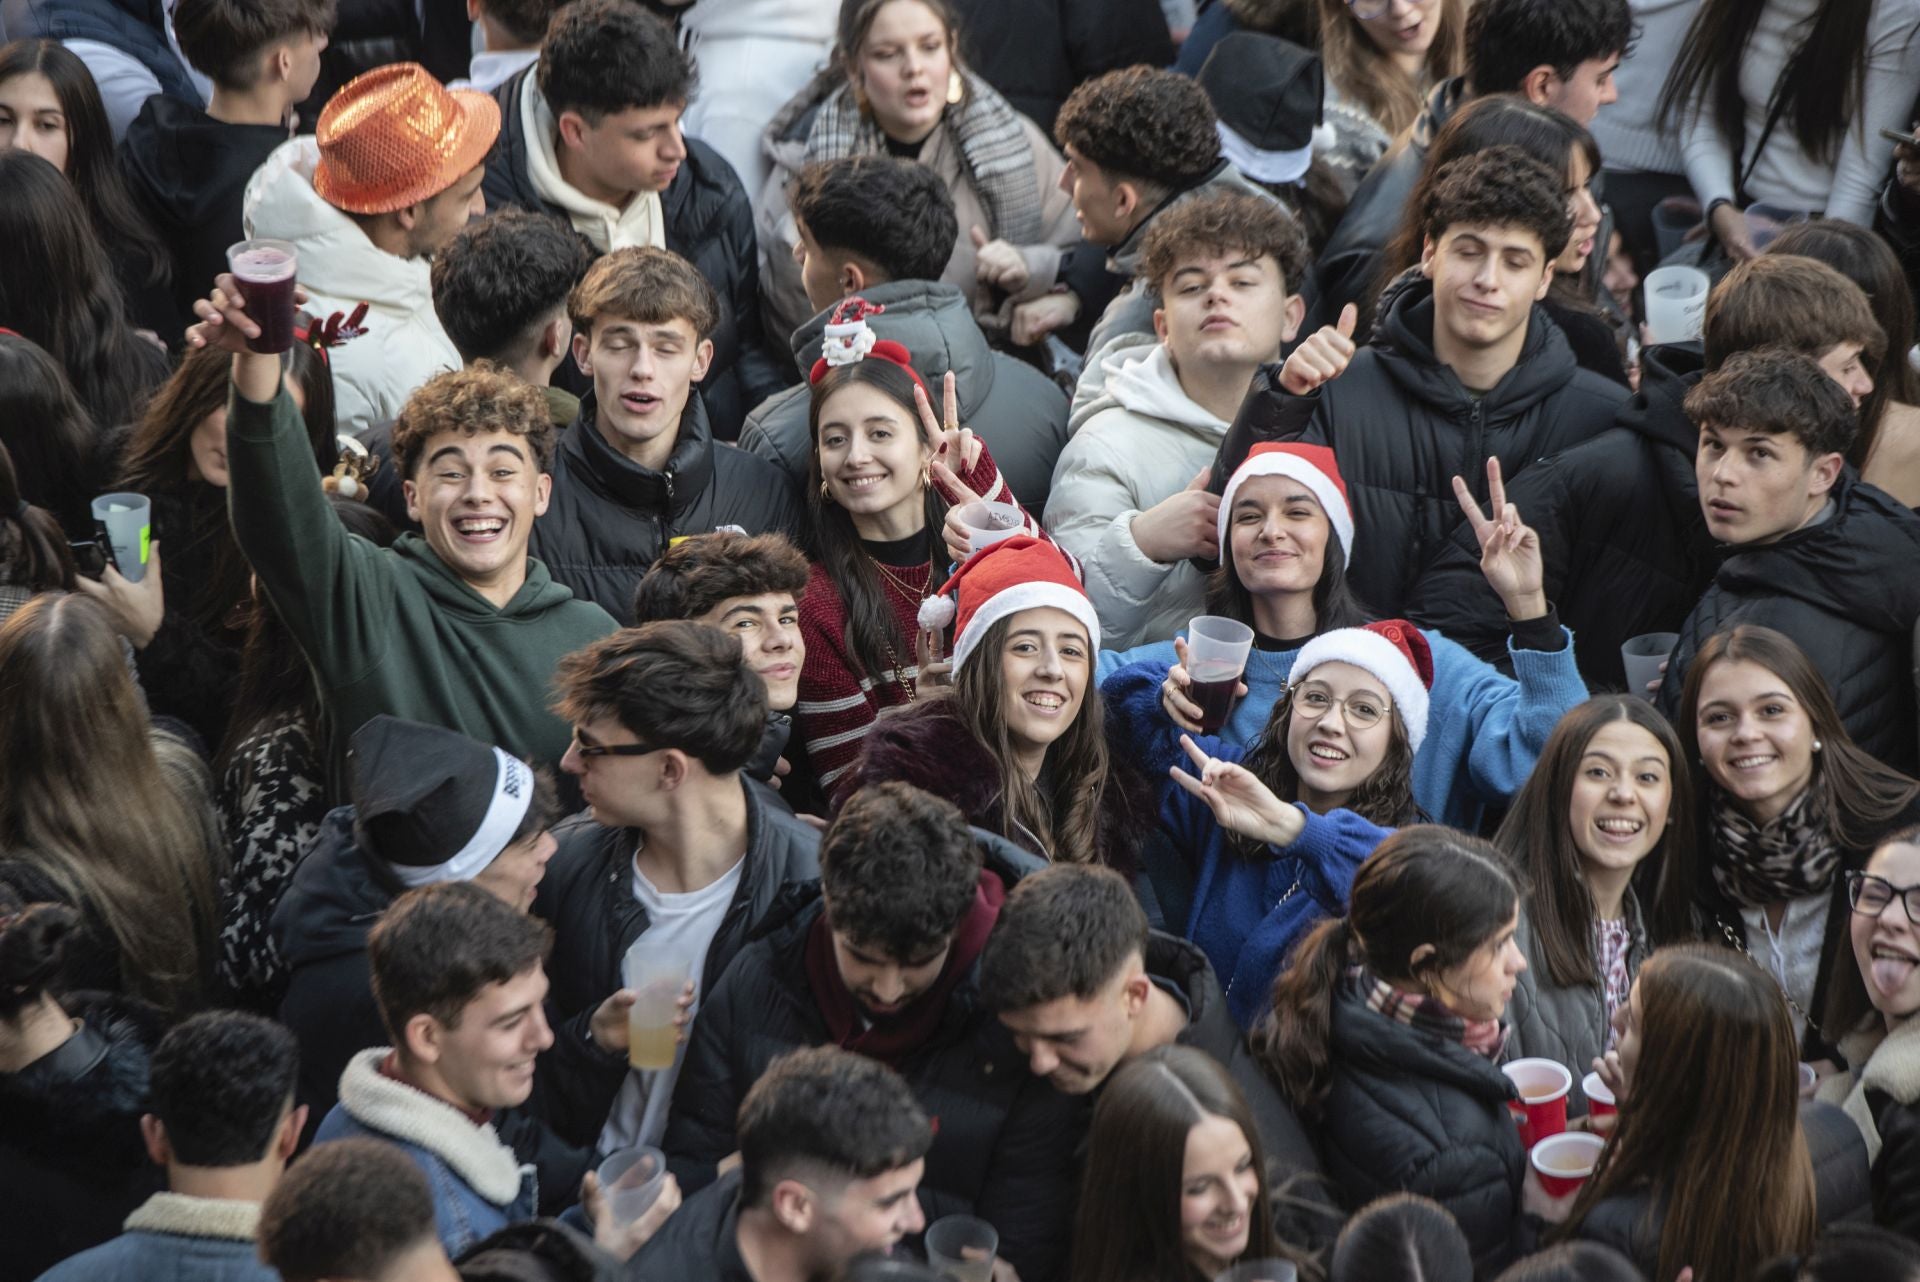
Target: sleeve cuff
[[1543, 633]]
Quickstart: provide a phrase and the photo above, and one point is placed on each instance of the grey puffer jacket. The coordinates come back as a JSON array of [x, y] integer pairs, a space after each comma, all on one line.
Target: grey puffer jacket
[[1565, 1024]]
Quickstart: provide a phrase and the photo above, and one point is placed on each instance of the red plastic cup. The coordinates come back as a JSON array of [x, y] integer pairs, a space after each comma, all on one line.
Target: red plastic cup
[[1563, 1162], [1543, 1085], [1600, 1101]]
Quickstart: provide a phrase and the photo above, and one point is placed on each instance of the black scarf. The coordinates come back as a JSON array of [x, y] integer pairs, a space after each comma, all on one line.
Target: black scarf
[[1790, 856]]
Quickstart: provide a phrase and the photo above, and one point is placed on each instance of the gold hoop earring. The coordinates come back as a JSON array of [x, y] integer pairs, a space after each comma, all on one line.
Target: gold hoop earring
[[956, 87], [926, 475], [826, 496]]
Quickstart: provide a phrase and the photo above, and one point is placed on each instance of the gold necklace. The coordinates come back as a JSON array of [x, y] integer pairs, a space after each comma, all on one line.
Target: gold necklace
[[914, 593]]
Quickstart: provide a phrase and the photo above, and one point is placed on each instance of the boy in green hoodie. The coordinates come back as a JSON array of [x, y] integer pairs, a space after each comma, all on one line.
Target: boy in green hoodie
[[456, 627]]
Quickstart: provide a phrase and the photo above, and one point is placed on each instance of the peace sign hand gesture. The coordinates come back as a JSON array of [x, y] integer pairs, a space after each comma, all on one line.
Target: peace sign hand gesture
[[1239, 801], [1509, 549], [954, 445]]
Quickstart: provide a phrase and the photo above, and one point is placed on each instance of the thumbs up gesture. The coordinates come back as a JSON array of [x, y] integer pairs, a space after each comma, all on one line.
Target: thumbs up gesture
[[1323, 357]]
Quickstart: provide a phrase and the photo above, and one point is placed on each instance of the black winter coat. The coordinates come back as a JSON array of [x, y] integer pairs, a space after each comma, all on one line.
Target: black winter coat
[[1035, 54], [72, 1161], [609, 518], [1402, 426], [1408, 1111], [1006, 1140], [1625, 547], [698, 1240], [709, 222], [1846, 590], [1896, 1171]]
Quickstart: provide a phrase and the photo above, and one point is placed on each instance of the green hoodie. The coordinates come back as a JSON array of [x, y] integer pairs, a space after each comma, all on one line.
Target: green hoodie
[[394, 630]]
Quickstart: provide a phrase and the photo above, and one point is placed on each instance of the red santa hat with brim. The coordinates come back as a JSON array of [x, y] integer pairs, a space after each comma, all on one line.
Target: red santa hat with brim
[[1312, 466], [1391, 650], [1001, 580]]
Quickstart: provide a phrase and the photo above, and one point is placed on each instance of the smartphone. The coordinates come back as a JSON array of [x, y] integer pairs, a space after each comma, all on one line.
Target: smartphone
[[89, 558], [1894, 135]]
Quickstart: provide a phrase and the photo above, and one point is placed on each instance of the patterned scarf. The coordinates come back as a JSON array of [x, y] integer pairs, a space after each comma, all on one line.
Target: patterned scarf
[[1788, 857], [1484, 1037], [986, 131]]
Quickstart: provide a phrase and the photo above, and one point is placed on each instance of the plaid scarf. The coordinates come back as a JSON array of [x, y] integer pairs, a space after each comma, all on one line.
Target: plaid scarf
[[1790, 856], [986, 131], [1484, 1037]]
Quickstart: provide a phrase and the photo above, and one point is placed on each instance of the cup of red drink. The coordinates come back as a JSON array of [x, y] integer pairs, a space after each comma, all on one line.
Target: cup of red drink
[[264, 271], [1543, 1085], [1217, 650], [1563, 1162], [1600, 1101]]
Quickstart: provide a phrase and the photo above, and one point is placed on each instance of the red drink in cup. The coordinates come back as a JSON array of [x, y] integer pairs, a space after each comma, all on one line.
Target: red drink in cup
[[1543, 1085], [1563, 1162], [1217, 650], [1213, 687], [264, 271]]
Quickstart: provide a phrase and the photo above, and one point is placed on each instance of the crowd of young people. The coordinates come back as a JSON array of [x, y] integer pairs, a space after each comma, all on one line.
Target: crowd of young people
[[736, 502]]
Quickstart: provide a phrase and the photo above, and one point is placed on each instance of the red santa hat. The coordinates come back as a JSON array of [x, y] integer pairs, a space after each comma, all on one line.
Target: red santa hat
[[1001, 580], [1391, 650], [1311, 465], [848, 340]]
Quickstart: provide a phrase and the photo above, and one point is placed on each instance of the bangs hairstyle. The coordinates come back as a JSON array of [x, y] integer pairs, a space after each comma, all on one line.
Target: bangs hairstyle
[[899, 869], [1500, 187], [699, 574], [476, 401], [1786, 301], [224, 40], [646, 286], [826, 1112], [1537, 836], [1146, 125], [1064, 931], [435, 948], [1384, 797], [1227, 223], [603, 57], [674, 684], [1780, 393]]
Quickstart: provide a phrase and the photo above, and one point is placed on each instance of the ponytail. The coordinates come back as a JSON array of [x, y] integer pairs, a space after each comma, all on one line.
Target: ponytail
[[32, 940], [1292, 1042]]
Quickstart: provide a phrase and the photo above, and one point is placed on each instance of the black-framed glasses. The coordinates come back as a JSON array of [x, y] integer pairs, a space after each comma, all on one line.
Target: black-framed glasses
[[1368, 10], [612, 749], [1361, 709], [1869, 896]]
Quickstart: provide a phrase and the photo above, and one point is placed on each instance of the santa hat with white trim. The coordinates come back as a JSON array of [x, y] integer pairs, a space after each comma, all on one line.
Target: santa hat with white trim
[[1311, 465], [999, 581], [1391, 650], [432, 804]]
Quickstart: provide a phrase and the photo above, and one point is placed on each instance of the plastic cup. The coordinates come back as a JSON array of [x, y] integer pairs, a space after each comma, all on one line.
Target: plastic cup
[[1676, 303], [990, 523], [1764, 222], [1564, 1161], [1217, 650], [1600, 1101], [1809, 1080], [1261, 1271], [631, 1179], [265, 270], [1642, 657], [1543, 1085], [124, 522], [962, 1248], [657, 975]]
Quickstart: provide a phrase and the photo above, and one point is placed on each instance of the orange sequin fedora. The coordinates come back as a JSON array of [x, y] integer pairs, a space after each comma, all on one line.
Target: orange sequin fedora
[[396, 136]]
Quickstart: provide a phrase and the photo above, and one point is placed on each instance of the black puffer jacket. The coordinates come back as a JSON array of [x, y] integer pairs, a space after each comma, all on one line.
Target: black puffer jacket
[[1625, 547], [1035, 54], [1402, 426], [1845, 589], [1006, 1141], [709, 223], [71, 1158], [587, 896], [1631, 1223], [610, 518], [1409, 1111]]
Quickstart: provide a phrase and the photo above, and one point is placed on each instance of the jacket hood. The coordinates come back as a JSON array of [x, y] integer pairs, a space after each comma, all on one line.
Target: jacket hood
[[1125, 258], [451, 593], [1668, 372], [82, 1102], [187, 162], [1381, 1046], [931, 320], [615, 477], [338, 893], [1141, 380], [1403, 340], [784, 140], [1856, 565], [1209, 1025]]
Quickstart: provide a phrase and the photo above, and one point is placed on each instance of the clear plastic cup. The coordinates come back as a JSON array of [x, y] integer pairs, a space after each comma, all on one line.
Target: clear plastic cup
[[962, 1248], [1261, 1271], [265, 271], [1676, 303], [990, 523], [1642, 657], [631, 1180], [1217, 650], [125, 525], [657, 975]]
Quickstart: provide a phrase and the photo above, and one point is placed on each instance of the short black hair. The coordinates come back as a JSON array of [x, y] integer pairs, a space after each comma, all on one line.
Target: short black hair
[[1500, 187], [672, 684], [435, 948], [602, 57], [222, 1081], [701, 571], [898, 870], [1508, 38], [1781, 393], [1064, 932], [524, 20], [348, 1209], [223, 39], [897, 214], [1144, 124], [501, 278], [826, 1110]]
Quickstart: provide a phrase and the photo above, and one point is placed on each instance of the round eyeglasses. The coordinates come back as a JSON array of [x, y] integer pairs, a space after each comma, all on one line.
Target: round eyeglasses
[[1361, 709]]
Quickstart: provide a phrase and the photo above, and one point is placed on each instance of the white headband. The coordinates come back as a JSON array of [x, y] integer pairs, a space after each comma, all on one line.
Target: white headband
[[1260, 165], [512, 796]]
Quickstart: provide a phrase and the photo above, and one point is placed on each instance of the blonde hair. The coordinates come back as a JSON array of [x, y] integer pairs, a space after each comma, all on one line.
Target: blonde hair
[[1361, 72]]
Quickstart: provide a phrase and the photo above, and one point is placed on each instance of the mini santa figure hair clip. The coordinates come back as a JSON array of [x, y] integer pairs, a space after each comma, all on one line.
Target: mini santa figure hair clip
[[848, 340]]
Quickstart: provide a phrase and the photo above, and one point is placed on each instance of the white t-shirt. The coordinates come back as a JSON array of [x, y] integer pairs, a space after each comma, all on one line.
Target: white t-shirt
[[685, 923], [1792, 953]]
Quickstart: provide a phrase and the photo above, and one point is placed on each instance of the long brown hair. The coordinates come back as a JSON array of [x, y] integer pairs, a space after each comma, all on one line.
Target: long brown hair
[[1861, 797], [1538, 838], [1426, 884], [1362, 72], [1061, 810], [1128, 1226], [33, 547], [1848, 1004], [1716, 1148], [1385, 797], [117, 817]]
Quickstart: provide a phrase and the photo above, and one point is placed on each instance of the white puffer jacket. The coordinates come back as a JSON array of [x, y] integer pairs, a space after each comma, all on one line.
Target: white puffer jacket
[[1139, 443], [340, 268]]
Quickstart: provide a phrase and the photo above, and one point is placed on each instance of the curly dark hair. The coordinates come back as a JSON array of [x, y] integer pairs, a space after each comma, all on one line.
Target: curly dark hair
[[897, 214], [524, 20], [434, 949], [898, 868], [479, 398], [503, 277], [1064, 931], [1142, 123], [221, 1082], [348, 1209], [1508, 38], [223, 39], [1778, 392], [824, 1107], [1227, 222], [602, 57], [698, 573], [1500, 187]]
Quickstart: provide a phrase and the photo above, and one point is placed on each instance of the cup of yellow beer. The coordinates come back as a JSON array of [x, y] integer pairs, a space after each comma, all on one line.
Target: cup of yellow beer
[[657, 976]]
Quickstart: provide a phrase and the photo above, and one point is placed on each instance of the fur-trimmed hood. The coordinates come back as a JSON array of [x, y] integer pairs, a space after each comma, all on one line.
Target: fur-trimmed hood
[[475, 1154], [79, 1106], [1893, 1067], [178, 1215]]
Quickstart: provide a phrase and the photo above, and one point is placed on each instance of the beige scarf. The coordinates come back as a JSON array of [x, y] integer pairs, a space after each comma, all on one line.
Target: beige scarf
[[642, 222]]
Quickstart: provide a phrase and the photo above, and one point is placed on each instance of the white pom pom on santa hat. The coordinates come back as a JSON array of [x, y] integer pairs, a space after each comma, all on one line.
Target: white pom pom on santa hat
[[936, 612]]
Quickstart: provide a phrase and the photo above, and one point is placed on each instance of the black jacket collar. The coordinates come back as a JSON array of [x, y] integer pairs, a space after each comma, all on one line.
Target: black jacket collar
[[613, 476]]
